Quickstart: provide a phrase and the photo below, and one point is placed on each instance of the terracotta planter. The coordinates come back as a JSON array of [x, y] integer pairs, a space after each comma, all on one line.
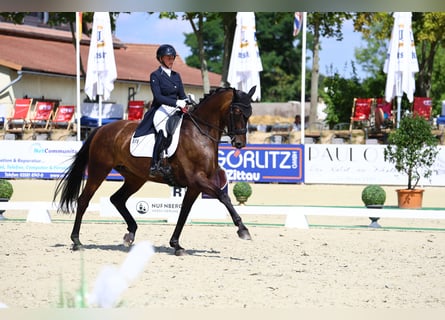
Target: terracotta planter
[[410, 199]]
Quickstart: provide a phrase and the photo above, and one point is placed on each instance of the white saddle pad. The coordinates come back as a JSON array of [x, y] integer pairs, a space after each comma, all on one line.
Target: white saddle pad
[[143, 146]]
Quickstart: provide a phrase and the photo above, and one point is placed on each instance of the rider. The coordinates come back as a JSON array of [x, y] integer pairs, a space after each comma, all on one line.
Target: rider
[[168, 95]]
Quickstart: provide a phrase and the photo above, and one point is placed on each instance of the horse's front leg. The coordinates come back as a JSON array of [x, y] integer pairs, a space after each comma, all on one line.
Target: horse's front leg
[[187, 203], [243, 232]]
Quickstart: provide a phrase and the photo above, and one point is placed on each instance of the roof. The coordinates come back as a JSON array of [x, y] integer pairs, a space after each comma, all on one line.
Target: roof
[[46, 50]]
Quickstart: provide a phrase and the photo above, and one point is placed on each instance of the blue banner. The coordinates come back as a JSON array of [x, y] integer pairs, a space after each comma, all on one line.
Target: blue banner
[[282, 163]]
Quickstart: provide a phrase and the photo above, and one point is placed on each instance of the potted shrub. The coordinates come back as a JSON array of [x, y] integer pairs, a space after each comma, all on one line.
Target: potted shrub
[[412, 148], [373, 196], [242, 191], [6, 191]]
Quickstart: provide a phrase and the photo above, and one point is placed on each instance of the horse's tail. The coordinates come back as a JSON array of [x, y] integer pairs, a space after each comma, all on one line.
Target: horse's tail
[[72, 180]]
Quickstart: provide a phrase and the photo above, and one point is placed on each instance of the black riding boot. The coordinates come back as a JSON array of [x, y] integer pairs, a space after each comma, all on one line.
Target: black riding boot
[[158, 148]]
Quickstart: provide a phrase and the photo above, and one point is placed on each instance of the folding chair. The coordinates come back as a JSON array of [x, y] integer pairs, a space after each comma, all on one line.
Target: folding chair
[[361, 111], [63, 117], [40, 122], [388, 117], [17, 123], [423, 106], [135, 110]]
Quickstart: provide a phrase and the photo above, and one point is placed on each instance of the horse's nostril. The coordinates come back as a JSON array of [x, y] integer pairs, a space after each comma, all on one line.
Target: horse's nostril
[[238, 145]]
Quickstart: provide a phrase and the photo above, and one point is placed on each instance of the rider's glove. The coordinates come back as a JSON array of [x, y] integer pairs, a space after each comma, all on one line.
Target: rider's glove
[[182, 104]]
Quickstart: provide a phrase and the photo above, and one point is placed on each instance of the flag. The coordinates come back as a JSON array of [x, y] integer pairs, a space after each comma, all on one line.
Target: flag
[[297, 23], [245, 63], [101, 71]]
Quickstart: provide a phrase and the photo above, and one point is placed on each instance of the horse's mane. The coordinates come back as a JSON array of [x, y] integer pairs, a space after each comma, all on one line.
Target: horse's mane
[[239, 101], [210, 94]]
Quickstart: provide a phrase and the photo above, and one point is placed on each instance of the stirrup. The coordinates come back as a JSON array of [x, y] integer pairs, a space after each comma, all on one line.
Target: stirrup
[[155, 170]]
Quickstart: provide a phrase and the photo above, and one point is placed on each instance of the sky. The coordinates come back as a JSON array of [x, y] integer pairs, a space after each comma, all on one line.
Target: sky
[[140, 27]]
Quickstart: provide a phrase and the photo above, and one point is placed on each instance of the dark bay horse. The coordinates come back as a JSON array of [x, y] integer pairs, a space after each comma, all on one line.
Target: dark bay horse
[[194, 164]]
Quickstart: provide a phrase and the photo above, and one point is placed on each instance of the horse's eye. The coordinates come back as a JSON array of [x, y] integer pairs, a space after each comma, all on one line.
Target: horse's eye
[[237, 111]]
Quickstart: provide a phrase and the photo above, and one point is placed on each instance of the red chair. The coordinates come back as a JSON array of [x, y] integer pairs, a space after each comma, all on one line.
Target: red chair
[[19, 120], [423, 106], [135, 110], [63, 117], [43, 111], [361, 111]]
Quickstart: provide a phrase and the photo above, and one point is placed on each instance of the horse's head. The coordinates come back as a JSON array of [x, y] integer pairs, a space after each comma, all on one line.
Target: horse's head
[[224, 108], [240, 111]]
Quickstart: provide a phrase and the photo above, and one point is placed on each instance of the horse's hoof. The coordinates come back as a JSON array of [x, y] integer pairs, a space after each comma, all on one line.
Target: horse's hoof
[[244, 234], [180, 252], [128, 239], [77, 247]]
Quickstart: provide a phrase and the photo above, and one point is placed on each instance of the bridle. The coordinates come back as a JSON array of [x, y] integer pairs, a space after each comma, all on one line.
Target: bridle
[[236, 109]]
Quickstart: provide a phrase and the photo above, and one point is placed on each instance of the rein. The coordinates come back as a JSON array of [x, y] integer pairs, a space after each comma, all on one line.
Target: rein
[[231, 132], [195, 121]]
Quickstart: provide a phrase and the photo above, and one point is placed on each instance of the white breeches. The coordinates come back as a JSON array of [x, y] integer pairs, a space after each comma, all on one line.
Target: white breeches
[[161, 116]]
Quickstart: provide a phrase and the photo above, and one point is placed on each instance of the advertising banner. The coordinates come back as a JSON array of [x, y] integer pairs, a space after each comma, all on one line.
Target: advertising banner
[[360, 164], [282, 163], [36, 159]]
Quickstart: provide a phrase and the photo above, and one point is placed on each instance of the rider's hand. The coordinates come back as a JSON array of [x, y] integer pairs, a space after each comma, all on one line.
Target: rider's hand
[[181, 103]]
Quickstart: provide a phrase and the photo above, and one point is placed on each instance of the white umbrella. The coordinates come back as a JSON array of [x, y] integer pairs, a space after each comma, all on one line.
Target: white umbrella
[[245, 62], [101, 71], [401, 61]]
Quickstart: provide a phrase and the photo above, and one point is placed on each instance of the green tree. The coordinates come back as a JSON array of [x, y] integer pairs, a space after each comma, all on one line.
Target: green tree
[[280, 80], [339, 96], [197, 21], [281, 76], [326, 24], [213, 41]]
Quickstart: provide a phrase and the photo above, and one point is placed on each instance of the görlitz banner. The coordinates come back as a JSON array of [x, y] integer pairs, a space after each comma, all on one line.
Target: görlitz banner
[[281, 163]]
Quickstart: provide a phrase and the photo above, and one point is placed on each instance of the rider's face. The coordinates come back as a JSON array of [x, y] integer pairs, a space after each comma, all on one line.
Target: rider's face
[[168, 61]]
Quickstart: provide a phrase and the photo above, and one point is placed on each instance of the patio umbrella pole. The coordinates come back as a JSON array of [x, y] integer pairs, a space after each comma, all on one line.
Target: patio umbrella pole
[[399, 109]]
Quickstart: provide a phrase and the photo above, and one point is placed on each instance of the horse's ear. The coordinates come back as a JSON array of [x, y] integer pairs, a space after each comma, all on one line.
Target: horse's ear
[[252, 91]]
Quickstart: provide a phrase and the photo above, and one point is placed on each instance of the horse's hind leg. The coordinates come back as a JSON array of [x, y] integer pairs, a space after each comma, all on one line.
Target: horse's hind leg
[[82, 205], [187, 203], [119, 199]]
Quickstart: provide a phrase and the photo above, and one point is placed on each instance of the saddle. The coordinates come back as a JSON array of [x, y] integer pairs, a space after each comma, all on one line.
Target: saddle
[[143, 139]]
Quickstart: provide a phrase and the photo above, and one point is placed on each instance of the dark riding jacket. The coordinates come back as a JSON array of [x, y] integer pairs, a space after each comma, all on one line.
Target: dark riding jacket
[[166, 89]]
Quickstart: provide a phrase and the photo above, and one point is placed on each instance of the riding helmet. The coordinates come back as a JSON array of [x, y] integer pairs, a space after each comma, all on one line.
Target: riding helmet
[[165, 50]]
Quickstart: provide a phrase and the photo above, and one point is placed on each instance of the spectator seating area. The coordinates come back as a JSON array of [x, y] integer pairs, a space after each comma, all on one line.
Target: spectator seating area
[[42, 119], [39, 119]]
